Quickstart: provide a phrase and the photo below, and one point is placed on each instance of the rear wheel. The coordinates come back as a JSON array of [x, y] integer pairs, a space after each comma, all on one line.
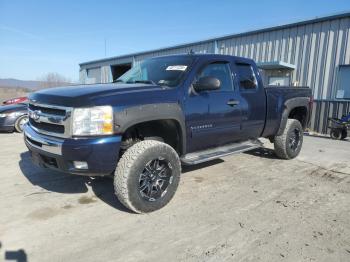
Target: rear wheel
[[344, 134], [20, 122], [147, 176], [288, 145], [336, 134]]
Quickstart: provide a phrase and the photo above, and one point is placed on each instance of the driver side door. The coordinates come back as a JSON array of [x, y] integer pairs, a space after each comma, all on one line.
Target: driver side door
[[214, 116]]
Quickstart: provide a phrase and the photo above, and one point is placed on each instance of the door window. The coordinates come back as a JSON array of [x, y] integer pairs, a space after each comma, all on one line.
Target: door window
[[246, 75], [343, 91], [220, 71]]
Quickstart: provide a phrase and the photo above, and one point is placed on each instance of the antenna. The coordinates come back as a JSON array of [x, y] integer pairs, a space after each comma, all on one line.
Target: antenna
[[105, 47]]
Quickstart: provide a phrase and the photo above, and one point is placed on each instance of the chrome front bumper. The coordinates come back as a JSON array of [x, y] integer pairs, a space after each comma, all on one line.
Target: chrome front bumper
[[42, 142]]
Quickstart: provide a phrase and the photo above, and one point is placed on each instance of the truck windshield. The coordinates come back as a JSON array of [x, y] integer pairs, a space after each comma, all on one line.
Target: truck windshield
[[164, 71]]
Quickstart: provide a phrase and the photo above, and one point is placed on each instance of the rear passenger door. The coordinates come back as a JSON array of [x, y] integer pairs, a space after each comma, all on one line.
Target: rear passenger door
[[253, 98]]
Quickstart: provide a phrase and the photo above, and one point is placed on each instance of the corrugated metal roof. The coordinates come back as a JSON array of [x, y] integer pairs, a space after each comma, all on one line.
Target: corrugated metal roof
[[278, 27]]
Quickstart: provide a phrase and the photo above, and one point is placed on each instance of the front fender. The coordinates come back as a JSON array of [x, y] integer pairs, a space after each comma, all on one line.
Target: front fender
[[131, 116]]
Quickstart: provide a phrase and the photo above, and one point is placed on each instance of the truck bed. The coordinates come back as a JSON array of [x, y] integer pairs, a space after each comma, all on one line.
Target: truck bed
[[276, 96]]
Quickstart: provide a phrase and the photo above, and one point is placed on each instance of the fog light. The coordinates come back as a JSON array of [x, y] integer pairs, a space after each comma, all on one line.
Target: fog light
[[80, 165]]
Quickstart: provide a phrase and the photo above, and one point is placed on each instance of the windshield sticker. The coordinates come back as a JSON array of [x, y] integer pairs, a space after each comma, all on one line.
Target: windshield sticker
[[176, 68]]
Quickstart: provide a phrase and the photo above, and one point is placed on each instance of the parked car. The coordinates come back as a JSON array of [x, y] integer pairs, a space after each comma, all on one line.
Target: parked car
[[164, 112], [13, 117], [16, 100]]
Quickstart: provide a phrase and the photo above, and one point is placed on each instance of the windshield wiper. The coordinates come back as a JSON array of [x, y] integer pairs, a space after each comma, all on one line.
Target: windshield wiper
[[141, 81], [118, 81]]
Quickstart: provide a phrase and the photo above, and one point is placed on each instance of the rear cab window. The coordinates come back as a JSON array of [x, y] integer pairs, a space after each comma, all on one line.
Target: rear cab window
[[246, 76]]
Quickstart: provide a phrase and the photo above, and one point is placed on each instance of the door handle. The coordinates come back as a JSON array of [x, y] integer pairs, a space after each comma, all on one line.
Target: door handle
[[233, 102]]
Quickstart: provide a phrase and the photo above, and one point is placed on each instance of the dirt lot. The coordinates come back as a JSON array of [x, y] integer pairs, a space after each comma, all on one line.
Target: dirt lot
[[248, 207]]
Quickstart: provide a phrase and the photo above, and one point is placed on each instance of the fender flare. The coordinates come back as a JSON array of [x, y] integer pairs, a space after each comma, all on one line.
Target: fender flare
[[131, 116], [289, 105]]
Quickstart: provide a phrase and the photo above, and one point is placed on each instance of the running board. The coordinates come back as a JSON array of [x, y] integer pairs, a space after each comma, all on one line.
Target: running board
[[217, 152]]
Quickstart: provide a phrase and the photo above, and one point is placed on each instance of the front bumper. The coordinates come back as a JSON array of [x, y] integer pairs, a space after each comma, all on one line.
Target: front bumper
[[100, 153]]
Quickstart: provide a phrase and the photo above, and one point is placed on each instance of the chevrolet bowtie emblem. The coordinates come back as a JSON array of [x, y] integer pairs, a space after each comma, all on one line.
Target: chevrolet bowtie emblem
[[35, 115]]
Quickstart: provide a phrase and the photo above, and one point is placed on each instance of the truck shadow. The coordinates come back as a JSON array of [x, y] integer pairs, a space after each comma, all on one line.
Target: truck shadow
[[186, 169], [262, 152], [69, 184]]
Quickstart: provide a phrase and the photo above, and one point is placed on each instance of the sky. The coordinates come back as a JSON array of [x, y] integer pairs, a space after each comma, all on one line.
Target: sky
[[38, 37]]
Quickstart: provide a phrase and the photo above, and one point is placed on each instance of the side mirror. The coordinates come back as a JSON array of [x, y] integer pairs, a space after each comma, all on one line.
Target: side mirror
[[207, 83]]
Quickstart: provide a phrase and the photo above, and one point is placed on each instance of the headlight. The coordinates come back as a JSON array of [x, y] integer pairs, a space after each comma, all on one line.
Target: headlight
[[12, 114], [93, 121]]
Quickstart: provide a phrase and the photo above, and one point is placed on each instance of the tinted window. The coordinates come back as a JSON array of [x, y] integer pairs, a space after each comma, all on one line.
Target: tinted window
[[246, 76], [220, 71]]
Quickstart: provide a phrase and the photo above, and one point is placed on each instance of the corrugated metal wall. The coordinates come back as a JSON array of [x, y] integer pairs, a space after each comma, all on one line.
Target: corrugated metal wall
[[316, 49], [324, 109], [203, 48]]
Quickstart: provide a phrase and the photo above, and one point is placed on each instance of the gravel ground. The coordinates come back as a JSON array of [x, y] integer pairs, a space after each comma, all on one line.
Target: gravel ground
[[247, 207]]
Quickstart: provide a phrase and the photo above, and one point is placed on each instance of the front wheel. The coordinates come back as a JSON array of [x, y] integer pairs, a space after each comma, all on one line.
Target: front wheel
[[20, 122], [344, 134], [147, 176], [336, 134], [288, 145]]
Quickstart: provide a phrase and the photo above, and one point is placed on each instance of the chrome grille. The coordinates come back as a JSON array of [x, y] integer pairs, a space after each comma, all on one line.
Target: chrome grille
[[50, 119]]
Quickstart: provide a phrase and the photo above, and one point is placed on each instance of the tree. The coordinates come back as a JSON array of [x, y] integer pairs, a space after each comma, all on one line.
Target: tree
[[53, 80]]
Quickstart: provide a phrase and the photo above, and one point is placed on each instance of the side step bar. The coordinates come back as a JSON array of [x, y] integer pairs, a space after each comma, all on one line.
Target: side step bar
[[217, 152]]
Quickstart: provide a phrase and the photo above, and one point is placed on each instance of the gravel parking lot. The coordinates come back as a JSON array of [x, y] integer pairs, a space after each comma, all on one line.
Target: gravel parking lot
[[247, 207]]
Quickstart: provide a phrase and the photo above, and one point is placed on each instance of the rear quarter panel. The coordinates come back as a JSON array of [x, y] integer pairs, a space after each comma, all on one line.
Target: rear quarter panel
[[276, 98]]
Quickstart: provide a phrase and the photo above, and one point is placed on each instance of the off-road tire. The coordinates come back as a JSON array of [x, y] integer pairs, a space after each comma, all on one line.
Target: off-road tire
[[131, 165], [18, 126], [344, 134], [281, 143], [336, 134]]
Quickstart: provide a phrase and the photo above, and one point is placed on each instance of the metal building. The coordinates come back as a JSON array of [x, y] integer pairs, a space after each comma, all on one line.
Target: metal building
[[314, 53]]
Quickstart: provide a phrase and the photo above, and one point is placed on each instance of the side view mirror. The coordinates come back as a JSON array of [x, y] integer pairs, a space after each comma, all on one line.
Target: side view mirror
[[206, 83]]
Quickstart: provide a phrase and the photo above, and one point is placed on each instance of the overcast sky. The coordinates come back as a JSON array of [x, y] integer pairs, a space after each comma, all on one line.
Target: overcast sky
[[37, 37]]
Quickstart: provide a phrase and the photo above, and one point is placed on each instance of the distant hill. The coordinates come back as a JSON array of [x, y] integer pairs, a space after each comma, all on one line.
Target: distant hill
[[29, 84]]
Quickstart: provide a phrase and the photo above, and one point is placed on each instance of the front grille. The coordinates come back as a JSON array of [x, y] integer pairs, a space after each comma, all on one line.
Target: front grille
[[46, 110], [53, 128], [50, 119]]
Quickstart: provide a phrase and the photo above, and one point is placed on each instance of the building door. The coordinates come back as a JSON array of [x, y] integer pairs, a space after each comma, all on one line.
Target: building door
[[279, 81], [119, 70]]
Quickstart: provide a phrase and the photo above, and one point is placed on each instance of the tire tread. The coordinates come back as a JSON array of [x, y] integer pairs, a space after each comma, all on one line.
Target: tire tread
[[123, 170], [280, 142]]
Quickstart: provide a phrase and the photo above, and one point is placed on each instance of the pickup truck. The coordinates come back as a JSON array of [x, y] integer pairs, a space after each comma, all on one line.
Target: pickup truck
[[163, 113]]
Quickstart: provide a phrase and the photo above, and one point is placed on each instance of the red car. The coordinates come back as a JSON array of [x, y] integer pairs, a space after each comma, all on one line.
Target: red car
[[15, 100]]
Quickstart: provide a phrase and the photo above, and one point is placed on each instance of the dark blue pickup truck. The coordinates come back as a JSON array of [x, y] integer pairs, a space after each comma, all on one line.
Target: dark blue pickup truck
[[164, 112]]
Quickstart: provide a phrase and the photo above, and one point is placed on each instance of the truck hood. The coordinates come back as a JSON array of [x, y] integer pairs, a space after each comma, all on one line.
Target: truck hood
[[101, 94]]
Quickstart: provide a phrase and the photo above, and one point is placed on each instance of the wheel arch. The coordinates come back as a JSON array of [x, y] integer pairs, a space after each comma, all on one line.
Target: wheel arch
[[295, 108], [155, 120]]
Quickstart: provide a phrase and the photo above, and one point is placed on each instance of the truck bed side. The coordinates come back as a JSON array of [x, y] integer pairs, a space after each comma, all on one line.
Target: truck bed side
[[276, 98]]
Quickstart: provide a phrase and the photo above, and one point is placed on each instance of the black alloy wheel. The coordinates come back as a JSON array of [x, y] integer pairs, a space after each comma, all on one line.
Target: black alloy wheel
[[155, 179]]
